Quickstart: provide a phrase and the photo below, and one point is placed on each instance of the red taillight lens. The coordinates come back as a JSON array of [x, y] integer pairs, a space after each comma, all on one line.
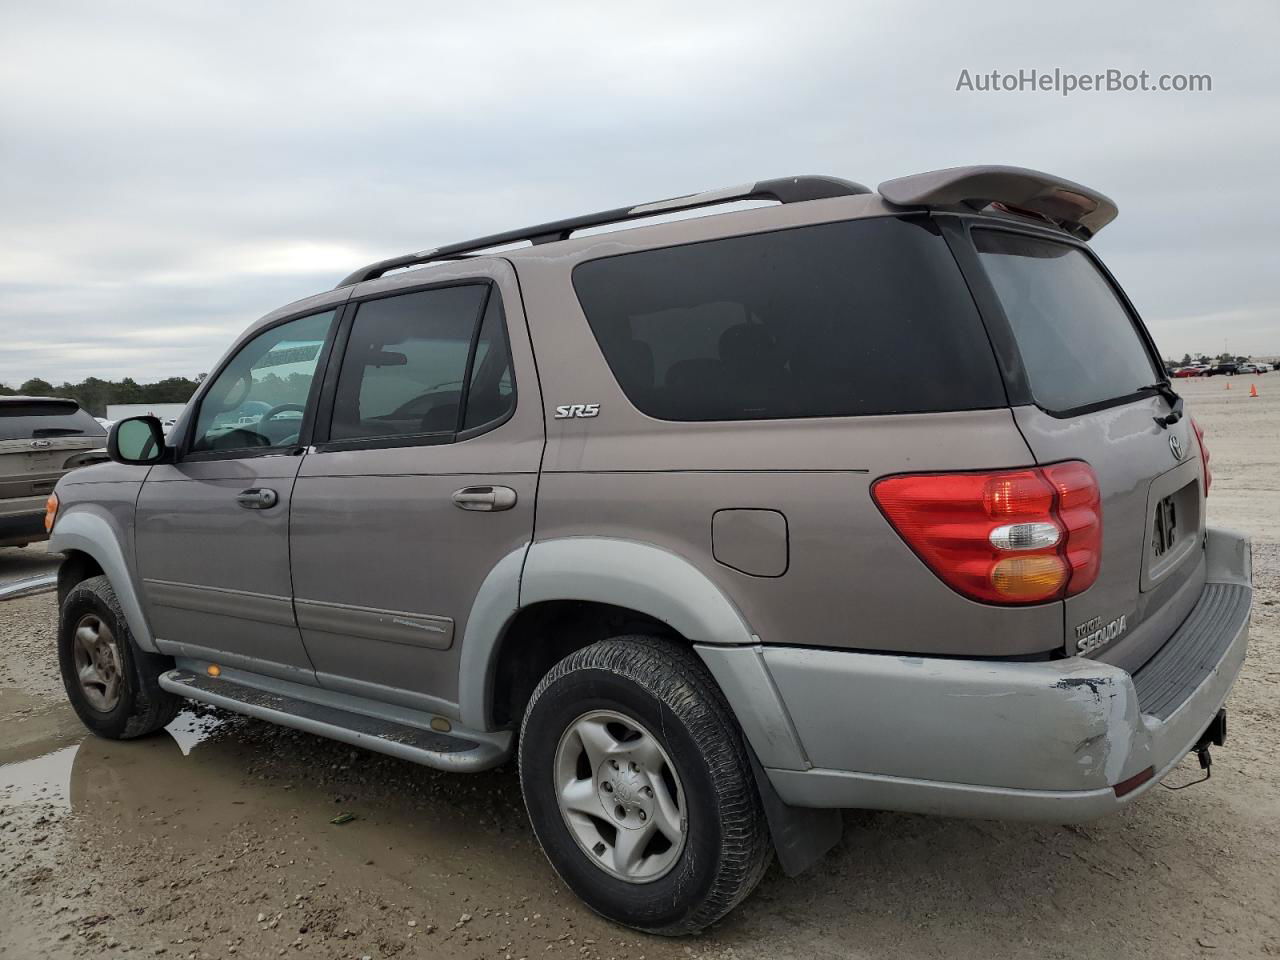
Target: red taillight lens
[[1204, 455], [1013, 536]]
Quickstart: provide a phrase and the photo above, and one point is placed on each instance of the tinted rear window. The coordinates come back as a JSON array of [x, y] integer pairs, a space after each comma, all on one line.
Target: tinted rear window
[[839, 319], [1078, 343], [36, 419]]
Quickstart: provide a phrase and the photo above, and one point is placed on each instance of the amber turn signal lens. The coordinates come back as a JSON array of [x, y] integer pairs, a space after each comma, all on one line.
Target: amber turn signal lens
[[50, 512], [1039, 575], [213, 670]]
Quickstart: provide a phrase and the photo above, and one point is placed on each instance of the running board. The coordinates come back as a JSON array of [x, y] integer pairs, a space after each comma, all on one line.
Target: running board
[[431, 748]]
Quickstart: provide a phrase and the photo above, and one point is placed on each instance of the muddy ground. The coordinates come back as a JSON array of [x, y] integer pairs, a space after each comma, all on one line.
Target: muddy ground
[[216, 840]]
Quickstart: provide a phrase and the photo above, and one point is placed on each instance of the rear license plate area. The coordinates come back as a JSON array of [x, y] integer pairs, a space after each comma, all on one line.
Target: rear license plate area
[[1173, 525], [1164, 528]]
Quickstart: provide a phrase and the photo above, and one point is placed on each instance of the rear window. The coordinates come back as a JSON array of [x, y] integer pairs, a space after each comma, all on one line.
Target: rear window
[[45, 419], [1078, 343], [839, 319]]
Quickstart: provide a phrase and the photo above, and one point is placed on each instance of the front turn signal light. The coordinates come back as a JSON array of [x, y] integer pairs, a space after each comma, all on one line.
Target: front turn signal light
[[50, 512]]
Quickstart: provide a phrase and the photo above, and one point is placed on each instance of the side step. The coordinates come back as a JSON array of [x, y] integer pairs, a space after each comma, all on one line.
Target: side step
[[444, 751]]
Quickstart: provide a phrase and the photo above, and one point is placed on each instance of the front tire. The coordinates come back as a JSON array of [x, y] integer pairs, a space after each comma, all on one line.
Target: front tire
[[113, 685], [638, 785]]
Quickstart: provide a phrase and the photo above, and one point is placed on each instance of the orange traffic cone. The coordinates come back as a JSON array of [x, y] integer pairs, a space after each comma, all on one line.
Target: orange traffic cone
[[1253, 389], [1228, 384]]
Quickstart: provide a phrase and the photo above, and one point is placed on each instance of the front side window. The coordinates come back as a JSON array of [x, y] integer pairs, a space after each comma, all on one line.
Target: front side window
[[839, 319], [260, 398], [424, 364], [1077, 341]]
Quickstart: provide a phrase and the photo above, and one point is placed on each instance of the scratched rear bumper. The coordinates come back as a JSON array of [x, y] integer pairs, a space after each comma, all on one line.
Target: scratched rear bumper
[[1035, 741]]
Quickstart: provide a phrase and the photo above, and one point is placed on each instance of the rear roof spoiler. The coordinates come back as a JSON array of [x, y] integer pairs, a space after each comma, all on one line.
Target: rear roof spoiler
[[1076, 208]]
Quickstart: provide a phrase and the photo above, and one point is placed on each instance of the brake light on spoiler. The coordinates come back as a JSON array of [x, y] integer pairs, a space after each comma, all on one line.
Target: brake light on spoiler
[[1007, 537]]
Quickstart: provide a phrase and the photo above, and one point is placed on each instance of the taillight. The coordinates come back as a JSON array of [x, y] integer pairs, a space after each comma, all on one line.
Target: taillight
[[1204, 455], [1012, 536]]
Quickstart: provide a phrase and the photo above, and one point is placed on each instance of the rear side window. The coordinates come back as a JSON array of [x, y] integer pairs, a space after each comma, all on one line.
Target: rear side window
[[1078, 343], [424, 363], [839, 319], [46, 420]]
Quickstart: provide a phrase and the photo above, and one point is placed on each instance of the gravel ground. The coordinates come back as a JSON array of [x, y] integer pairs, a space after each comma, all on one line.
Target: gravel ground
[[215, 841]]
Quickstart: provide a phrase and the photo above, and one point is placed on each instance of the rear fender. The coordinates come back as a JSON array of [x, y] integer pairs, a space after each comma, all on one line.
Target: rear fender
[[648, 580]]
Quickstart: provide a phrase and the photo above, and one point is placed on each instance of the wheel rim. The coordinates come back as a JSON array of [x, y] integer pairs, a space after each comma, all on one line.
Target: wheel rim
[[97, 660], [620, 796]]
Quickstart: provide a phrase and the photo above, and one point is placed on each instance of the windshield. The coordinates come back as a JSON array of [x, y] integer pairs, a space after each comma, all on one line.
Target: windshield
[[1078, 343]]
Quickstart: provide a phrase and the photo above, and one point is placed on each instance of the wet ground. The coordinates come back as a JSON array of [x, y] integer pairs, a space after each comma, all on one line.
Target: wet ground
[[21, 563], [216, 840]]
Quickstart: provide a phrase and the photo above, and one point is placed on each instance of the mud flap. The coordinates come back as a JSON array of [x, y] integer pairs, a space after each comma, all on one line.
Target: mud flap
[[801, 835]]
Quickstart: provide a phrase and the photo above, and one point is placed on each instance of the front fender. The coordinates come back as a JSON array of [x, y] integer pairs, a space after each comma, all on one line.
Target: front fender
[[92, 531]]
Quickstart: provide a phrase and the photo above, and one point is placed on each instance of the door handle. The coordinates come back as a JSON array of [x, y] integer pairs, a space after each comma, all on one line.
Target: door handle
[[257, 498], [485, 498]]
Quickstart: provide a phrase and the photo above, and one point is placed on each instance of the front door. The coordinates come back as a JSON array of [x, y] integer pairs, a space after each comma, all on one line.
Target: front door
[[420, 481], [213, 528]]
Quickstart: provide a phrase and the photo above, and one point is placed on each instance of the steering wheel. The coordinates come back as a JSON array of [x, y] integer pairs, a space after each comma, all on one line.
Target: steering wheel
[[275, 412], [281, 408]]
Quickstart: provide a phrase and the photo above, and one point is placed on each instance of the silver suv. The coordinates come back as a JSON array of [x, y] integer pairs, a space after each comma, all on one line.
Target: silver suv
[[41, 438], [717, 526]]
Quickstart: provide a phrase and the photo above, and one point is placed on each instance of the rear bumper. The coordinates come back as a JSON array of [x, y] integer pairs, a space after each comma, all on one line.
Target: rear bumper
[[1001, 740]]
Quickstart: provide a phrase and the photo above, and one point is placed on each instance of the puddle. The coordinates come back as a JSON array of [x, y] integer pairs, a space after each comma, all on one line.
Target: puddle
[[45, 779], [39, 758], [190, 730], [222, 820], [211, 773]]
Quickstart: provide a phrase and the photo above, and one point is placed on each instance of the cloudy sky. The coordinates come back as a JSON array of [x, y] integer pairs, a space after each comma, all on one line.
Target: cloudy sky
[[171, 171]]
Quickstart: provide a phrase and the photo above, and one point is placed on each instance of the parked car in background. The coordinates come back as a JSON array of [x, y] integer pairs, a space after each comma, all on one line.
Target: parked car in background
[[41, 438], [1226, 369], [1195, 370], [1254, 367]]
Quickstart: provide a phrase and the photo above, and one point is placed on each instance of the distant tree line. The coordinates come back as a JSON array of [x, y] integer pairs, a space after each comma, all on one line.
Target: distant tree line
[[94, 394]]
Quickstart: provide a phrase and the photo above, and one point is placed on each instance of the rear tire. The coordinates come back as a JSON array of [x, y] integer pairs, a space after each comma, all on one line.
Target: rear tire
[[113, 685], [639, 788]]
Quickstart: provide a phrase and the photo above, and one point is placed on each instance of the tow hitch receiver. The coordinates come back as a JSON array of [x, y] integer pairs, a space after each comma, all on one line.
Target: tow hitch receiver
[[1216, 735]]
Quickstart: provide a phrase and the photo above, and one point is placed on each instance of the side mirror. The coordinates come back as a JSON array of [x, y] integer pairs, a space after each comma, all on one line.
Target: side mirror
[[137, 440]]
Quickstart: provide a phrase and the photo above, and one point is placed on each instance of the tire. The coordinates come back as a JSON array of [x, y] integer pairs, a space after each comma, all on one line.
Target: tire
[[123, 700], [661, 690]]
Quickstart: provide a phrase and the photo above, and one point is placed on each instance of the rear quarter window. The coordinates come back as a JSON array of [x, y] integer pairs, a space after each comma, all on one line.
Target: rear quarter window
[[841, 319], [1079, 345], [42, 420]]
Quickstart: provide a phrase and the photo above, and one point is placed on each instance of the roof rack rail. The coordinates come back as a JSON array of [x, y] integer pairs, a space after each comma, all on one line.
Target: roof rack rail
[[783, 190]]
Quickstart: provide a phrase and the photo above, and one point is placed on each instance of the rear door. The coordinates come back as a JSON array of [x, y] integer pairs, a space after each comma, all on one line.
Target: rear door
[[1085, 369], [422, 478]]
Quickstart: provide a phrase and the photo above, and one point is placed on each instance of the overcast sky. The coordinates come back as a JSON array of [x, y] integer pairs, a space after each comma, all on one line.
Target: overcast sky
[[171, 171]]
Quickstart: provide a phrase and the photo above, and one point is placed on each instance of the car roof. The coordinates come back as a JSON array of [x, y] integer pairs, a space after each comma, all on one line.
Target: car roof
[[1000, 191]]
